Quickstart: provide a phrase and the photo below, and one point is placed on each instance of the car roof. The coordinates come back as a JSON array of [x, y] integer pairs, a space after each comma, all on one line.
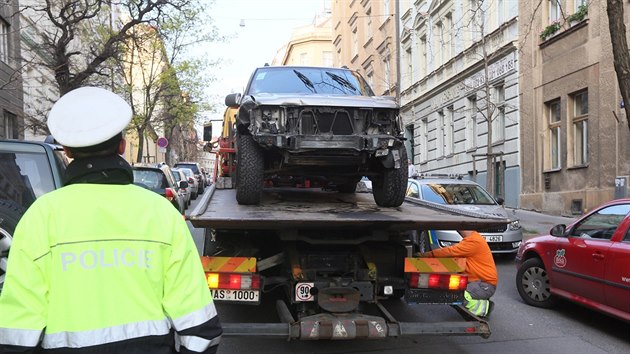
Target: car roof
[[443, 181], [285, 67]]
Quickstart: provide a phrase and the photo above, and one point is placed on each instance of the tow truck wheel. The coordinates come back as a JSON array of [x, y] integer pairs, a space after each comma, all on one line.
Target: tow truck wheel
[[389, 190], [249, 170], [532, 282], [10, 214]]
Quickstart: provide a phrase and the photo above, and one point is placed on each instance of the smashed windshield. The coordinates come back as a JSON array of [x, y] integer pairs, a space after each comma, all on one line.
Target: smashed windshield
[[308, 80]]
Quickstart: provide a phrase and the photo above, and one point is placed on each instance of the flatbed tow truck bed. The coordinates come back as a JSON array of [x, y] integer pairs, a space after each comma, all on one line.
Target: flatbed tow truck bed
[[381, 243], [313, 208]]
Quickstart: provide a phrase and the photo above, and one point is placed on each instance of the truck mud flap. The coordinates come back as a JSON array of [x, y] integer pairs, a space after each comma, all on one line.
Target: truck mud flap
[[349, 326]]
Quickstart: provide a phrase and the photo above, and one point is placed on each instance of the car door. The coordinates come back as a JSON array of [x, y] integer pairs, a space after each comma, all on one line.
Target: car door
[[617, 273], [578, 265]]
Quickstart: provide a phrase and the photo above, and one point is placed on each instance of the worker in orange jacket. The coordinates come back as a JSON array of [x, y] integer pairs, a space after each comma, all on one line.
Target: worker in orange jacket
[[480, 267]]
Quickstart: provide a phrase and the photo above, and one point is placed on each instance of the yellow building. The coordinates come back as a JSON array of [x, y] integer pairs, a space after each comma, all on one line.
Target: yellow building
[[310, 45]]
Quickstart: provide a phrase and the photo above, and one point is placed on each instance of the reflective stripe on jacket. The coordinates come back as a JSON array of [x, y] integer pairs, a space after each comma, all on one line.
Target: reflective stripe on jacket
[[112, 266]]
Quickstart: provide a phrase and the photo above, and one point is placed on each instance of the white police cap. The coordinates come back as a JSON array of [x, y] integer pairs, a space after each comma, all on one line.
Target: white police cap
[[88, 116]]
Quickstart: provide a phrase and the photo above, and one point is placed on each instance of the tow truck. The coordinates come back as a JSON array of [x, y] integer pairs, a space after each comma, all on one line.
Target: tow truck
[[334, 254]]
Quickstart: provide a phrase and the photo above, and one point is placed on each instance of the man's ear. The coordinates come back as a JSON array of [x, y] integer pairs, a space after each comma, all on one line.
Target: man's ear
[[68, 152], [121, 146]]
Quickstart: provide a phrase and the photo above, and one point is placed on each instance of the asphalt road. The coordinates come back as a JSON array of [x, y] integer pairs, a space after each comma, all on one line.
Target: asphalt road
[[516, 327]]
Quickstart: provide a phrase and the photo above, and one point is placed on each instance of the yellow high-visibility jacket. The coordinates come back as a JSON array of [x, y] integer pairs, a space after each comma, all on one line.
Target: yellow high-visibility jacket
[[103, 268]]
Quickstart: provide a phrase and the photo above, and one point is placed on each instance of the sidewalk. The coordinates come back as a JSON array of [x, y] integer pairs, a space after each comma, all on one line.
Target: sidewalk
[[535, 223]]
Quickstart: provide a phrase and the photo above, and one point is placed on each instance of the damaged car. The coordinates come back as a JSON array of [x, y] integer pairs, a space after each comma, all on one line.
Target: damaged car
[[318, 122]]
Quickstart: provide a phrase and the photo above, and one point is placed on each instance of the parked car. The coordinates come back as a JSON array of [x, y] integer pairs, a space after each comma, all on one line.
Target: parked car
[[196, 168], [312, 122], [193, 184], [587, 262], [186, 192], [464, 196], [27, 171], [160, 179]]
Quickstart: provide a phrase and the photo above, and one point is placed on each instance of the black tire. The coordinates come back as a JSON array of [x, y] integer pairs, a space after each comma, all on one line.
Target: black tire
[[389, 189], [424, 243], [349, 186], [10, 214], [532, 282], [249, 170]]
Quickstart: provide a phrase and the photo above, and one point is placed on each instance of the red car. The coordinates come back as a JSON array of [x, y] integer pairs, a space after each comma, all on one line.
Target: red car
[[587, 262]]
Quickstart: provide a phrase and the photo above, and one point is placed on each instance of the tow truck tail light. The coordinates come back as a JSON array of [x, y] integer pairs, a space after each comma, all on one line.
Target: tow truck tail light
[[169, 194], [233, 281], [438, 281]]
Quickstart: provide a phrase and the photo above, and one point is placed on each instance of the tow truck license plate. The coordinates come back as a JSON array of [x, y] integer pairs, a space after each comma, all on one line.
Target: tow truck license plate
[[494, 238], [235, 295]]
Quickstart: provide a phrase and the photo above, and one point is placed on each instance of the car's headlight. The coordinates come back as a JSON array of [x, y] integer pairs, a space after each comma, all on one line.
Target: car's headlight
[[515, 225]]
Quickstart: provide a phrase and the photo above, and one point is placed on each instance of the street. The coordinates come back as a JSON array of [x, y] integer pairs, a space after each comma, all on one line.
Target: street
[[516, 327]]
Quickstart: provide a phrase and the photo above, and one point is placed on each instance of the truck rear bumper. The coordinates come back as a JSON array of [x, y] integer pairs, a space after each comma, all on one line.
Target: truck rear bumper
[[348, 326]]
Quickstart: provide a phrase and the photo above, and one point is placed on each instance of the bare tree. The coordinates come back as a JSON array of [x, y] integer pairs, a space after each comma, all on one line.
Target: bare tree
[[621, 56]]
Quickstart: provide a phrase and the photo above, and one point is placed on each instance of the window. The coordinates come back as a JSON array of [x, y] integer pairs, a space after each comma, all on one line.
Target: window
[[412, 190], [408, 58], [471, 123], [475, 14], [424, 139], [410, 143], [450, 48], [450, 131], [500, 12], [580, 128], [303, 59], [385, 10], [579, 3], [388, 71], [355, 43], [555, 12], [498, 121], [602, 224], [442, 135], [4, 41], [441, 57], [423, 64], [327, 58], [368, 25], [339, 62], [553, 114], [10, 126]]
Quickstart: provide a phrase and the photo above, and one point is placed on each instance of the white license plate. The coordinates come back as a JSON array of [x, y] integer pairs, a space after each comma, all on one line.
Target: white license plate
[[494, 238], [235, 295]]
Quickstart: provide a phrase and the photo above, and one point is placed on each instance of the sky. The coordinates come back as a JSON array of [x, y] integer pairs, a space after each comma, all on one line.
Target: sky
[[267, 27]]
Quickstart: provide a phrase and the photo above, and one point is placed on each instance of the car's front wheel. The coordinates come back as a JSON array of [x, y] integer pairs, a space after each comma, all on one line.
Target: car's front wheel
[[389, 189], [532, 282], [249, 170]]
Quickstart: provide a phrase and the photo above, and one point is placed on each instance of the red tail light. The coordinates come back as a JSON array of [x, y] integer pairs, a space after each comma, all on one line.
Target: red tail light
[[438, 281], [169, 194], [191, 180], [233, 281]]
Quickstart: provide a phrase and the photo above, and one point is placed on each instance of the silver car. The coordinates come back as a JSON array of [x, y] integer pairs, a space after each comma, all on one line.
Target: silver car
[[467, 197]]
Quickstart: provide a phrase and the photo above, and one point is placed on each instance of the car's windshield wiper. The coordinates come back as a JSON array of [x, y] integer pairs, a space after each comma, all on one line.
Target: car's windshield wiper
[[342, 81], [305, 80]]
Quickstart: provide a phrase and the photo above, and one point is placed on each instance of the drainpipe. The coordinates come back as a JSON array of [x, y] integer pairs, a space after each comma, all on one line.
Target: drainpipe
[[397, 28]]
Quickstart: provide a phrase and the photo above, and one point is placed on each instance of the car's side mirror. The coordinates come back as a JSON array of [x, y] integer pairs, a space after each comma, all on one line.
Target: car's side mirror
[[500, 201], [558, 230], [183, 184], [232, 100]]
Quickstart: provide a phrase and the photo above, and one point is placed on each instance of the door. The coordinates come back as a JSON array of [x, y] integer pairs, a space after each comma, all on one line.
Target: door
[[617, 275], [578, 265]]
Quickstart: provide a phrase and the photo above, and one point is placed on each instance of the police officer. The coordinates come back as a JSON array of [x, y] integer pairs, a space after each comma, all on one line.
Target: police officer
[[102, 265]]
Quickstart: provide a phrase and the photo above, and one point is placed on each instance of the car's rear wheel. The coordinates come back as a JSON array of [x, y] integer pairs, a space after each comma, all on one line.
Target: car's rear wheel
[[532, 282], [249, 170], [10, 214], [389, 189]]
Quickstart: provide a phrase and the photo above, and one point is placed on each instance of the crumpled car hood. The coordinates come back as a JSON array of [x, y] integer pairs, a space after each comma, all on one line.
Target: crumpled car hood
[[326, 100]]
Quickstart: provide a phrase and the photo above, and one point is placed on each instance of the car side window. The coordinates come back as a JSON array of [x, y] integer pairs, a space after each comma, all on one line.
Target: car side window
[[603, 223], [412, 190], [627, 238]]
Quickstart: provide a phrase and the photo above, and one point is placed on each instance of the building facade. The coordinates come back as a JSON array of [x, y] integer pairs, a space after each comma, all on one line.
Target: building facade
[[460, 91], [11, 93], [364, 38], [574, 137], [310, 45]]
